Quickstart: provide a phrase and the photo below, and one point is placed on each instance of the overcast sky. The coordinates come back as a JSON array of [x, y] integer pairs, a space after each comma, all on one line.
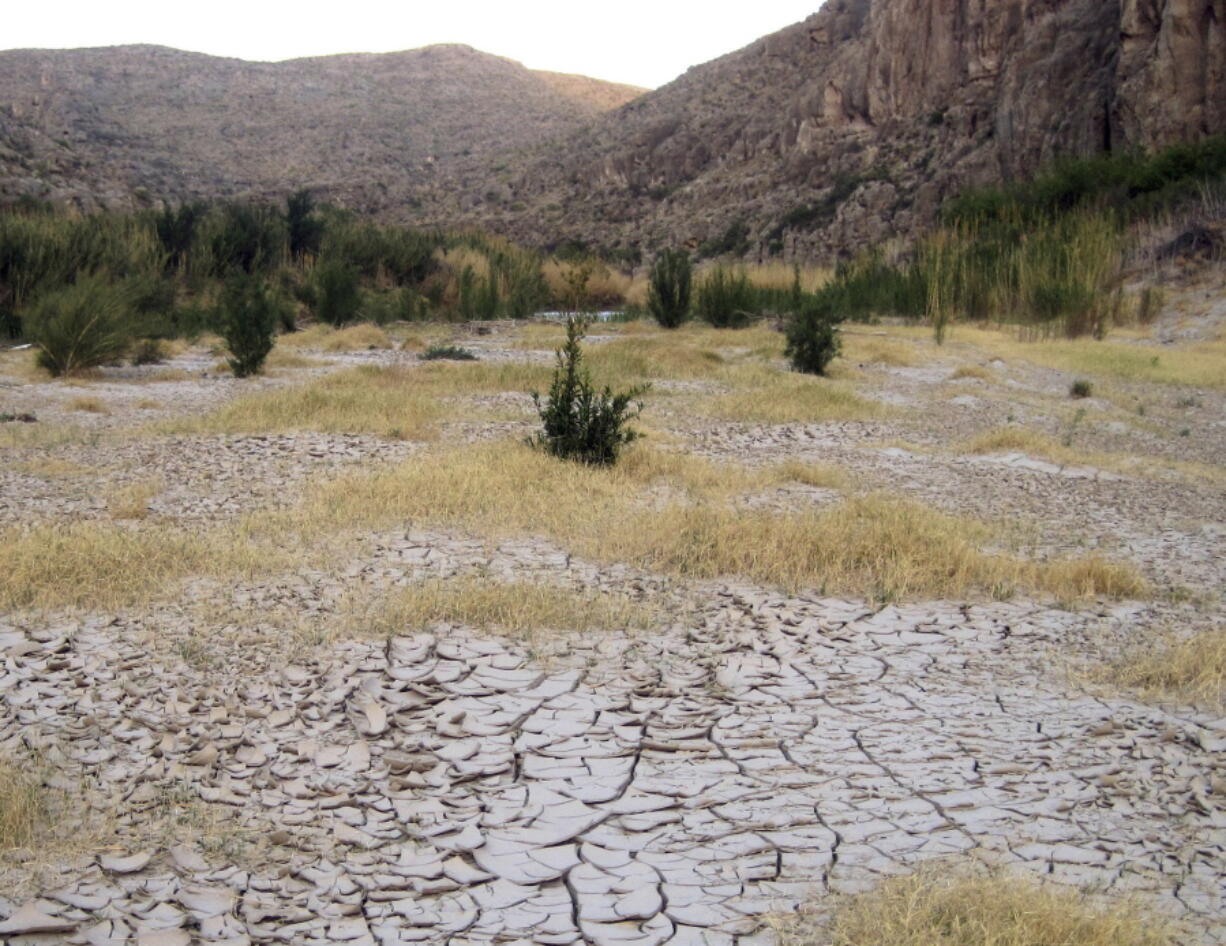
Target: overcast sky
[[641, 42]]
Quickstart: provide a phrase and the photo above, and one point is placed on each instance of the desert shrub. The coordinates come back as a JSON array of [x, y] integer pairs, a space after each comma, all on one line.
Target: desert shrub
[[246, 237], [250, 311], [813, 337], [80, 326], [725, 299], [1081, 388], [176, 231], [580, 422], [668, 295], [148, 351], [338, 297], [305, 228], [447, 353]]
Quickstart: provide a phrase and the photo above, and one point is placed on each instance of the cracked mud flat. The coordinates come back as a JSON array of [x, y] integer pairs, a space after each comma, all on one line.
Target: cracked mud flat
[[753, 753]]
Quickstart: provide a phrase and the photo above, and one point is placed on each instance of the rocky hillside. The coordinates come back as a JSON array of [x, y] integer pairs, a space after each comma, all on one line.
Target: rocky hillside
[[854, 124], [115, 126]]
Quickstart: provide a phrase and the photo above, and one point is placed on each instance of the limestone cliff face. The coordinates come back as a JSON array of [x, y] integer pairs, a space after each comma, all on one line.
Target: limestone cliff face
[[855, 123]]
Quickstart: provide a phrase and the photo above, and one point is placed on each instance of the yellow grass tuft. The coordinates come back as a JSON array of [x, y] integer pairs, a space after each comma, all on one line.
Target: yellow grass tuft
[[821, 475], [23, 810], [897, 353], [519, 608], [90, 405], [937, 906], [1192, 670], [764, 395], [973, 372], [131, 501], [319, 337]]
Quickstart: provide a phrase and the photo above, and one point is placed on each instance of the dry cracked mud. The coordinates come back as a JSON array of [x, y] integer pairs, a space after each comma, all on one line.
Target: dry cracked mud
[[752, 753]]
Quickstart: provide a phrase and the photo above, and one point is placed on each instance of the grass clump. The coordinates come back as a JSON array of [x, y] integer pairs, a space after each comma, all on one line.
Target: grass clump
[[820, 475], [447, 353], [1081, 389], [322, 337], [1192, 670], [973, 372], [937, 906], [761, 394], [131, 501], [519, 608], [23, 808], [580, 422]]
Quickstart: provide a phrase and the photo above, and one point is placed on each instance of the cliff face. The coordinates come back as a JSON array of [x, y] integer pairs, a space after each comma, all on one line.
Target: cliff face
[[856, 123], [107, 126]]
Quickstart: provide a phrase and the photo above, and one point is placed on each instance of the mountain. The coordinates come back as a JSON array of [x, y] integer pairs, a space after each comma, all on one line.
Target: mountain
[[115, 126], [853, 125]]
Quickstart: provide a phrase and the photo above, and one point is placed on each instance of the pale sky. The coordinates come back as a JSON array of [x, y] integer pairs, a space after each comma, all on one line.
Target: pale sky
[[640, 42]]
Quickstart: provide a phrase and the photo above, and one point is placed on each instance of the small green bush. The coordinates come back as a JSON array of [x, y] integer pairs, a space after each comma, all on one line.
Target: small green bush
[[668, 295], [726, 299], [447, 353], [148, 351], [813, 337], [80, 326], [581, 423], [338, 297], [1081, 388], [250, 311]]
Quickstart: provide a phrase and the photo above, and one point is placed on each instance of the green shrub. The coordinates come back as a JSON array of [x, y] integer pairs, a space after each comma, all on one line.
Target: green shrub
[[246, 237], [581, 423], [338, 297], [1081, 388], [668, 295], [305, 228], [80, 326], [250, 311], [813, 337], [447, 353], [148, 351], [726, 299]]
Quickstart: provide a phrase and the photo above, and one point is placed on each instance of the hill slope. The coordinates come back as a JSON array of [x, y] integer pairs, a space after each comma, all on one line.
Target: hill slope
[[93, 126], [854, 124]]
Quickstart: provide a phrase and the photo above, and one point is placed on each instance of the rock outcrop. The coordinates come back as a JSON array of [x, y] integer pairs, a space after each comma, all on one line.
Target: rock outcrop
[[857, 122]]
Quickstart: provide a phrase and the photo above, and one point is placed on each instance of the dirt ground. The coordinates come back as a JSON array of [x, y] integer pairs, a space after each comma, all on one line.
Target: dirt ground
[[247, 758]]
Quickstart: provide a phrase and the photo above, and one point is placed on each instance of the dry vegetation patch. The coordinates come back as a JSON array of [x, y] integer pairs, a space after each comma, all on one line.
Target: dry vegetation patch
[[23, 807], [1191, 670], [875, 545], [937, 907], [361, 337], [131, 500]]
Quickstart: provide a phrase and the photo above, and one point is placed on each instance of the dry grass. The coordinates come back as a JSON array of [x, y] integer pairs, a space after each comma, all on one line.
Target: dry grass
[[400, 402], [131, 501], [101, 566], [1037, 444], [875, 545], [938, 906], [1192, 670], [873, 349], [764, 395], [520, 608], [821, 475], [1197, 364], [782, 276], [281, 358], [52, 468], [23, 810], [973, 372], [319, 337], [90, 405]]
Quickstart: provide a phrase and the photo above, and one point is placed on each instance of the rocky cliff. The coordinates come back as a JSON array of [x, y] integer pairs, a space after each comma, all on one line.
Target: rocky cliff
[[122, 125], [854, 124]]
